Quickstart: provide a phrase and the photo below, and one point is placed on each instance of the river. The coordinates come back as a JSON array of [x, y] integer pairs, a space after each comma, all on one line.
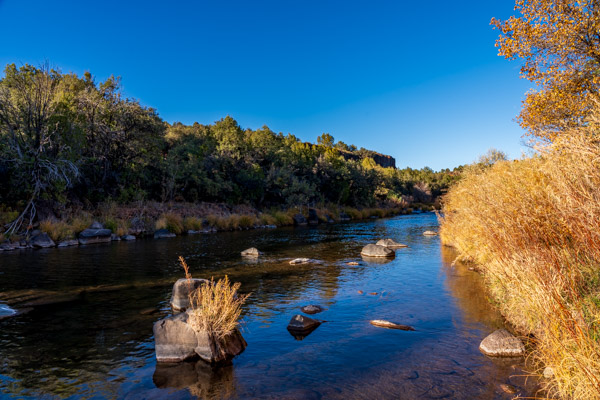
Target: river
[[98, 343]]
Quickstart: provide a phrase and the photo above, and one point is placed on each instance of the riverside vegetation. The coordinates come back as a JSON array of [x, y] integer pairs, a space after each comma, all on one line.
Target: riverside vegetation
[[532, 225], [73, 150]]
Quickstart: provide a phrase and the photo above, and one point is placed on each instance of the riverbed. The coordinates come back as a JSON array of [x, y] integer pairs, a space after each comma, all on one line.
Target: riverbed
[[97, 341]]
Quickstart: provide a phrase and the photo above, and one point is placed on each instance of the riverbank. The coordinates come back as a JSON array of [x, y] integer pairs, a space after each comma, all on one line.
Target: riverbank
[[112, 222], [532, 227]]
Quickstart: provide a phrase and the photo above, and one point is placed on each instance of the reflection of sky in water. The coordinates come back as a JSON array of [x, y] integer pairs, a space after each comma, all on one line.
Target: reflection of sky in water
[[6, 310], [102, 345]]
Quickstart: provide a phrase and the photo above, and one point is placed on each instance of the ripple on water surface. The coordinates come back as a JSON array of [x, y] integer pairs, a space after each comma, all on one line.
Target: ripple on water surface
[[99, 343]]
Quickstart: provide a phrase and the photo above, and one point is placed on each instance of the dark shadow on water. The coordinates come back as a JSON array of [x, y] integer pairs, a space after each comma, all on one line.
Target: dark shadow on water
[[201, 379]]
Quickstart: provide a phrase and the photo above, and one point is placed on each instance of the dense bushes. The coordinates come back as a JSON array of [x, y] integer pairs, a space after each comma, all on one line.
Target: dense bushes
[[69, 140], [533, 226]]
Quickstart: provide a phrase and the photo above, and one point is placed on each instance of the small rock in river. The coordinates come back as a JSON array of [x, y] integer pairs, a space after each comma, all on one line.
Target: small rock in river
[[390, 325], [300, 261], [502, 343], [373, 250], [373, 293], [508, 388], [352, 263], [251, 252], [390, 243], [301, 326], [360, 292], [311, 309], [430, 233]]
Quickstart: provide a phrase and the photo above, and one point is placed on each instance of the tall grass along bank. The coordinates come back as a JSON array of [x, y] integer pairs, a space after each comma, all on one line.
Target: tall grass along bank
[[533, 227]]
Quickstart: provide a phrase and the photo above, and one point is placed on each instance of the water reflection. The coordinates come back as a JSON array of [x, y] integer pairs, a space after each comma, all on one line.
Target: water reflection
[[100, 344]]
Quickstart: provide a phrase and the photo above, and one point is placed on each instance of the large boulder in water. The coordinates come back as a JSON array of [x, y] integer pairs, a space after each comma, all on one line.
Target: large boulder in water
[[42, 240], [392, 244], [502, 343], [299, 220], [373, 250], [89, 236], [176, 340], [180, 297]]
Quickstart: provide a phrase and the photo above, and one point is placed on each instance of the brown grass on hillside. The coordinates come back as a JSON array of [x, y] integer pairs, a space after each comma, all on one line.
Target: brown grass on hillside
[[533, 225]]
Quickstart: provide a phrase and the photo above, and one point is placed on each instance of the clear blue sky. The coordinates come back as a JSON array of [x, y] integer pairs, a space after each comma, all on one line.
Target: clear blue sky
[[420, 81]]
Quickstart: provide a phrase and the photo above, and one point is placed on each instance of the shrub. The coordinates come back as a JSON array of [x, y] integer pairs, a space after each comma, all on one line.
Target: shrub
[[534, 227], [80, 222], [216, 306], [170, 221], [192, 223], [267, 219], [57, 230], [247, 221], [282, 218]]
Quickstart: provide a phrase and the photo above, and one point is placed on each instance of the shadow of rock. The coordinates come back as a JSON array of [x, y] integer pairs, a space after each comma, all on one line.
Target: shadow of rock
[[377, 260], [199, 378]]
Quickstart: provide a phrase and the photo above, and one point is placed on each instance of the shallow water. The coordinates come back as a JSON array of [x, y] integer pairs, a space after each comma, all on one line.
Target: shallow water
[[97, 343]]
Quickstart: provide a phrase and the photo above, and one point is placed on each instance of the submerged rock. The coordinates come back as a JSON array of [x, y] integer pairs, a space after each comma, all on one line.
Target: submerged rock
[[296, 261], [299, 220], [502, 343], [180, 298], [390, 325], [90, 236], [251, 252], [311, 309], [176, 340], [70, 242], [42, 240], [163, 233], [374, 250], [390, 243]]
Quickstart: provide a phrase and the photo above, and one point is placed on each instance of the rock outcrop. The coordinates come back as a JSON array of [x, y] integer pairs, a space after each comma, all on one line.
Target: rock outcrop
[[502, 343], [176, 340], [42, 240], [180, 297], [374, 250], [299, 220], [90, 236], [392, 244]]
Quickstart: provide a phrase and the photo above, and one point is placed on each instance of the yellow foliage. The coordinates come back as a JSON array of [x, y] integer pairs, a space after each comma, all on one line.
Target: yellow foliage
[[533, 225]]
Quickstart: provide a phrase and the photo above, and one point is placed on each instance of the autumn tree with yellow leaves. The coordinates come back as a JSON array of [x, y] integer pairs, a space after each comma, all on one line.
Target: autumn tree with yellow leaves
[[559, 41]]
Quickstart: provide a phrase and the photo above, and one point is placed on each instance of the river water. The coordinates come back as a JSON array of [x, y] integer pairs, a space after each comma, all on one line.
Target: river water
[[98, 343]]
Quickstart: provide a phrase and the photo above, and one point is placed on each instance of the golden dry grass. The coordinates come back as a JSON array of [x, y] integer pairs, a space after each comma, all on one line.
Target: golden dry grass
[[533, 226], [216, 306], [170, 221], [57, 230]]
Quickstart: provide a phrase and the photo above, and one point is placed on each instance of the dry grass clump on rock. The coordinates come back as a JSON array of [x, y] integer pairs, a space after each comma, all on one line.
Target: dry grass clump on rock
[[216, 306], [533, 226]]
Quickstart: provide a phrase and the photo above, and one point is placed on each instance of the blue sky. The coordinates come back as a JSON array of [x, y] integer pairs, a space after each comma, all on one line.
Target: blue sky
[[420, 81]]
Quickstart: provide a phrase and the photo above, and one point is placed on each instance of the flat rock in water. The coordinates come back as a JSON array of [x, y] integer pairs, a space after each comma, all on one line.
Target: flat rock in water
[[251, 252], [352, 263], [300, 261], [128, 237], [502, 343], [430, 233], [311, 309], [90, 236], [42, 240], [373, 250], [68, 243], [390, 325], [390, 243], [163, 233], [180, 297]]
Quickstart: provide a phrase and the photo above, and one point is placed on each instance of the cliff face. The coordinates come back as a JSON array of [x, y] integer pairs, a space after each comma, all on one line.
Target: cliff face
[[380, 159]]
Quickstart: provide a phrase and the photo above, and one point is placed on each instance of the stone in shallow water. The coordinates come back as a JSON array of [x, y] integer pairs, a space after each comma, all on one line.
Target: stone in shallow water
[[90, 236], [390, 243], [301, 326], [163, 233], [300, 261], [42, 240], [430, 233], [390, 325], [180, 298], [251, 252], [502, 343], [176, 340], [311, 309], [373, 250]]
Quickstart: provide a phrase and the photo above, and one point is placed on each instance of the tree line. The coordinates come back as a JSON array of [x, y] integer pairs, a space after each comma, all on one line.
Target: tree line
[[67, 138]]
